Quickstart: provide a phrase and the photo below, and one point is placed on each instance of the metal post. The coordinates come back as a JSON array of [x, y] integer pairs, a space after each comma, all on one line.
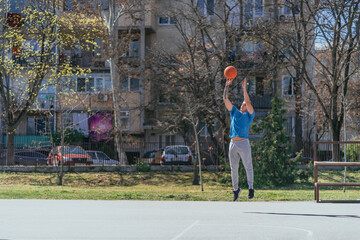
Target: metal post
[[344, 141], [315, 169]]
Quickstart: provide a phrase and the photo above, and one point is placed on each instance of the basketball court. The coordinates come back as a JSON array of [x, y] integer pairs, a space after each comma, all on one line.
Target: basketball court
[[171, 220]]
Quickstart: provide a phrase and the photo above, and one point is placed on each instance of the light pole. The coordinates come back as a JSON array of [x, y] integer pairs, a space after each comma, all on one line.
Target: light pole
[[344, 104]]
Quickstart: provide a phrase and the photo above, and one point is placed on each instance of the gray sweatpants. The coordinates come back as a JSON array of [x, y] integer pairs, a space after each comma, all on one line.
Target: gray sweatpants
[[241, 149]]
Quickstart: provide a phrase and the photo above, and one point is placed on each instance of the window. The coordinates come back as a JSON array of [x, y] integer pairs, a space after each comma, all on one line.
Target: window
[[165, 98], [125, 120], [206, 7], [290, 6], [67, 120], [248, 46], [290, 126], [204, 127], [39, 126], [78, 121], [17, 6], [288, 86], [97, 50], [92, 84], [103, 84], [252, 9], [259, 86], [85, 85], [250, 85], [251, 46], [134, 48], [134, 85], [68, 5], [81, 122], [288, 46], [169, 140], [130, 84], [259, 9], [160, 141], [167, 21], [107, 84], [99, 84]]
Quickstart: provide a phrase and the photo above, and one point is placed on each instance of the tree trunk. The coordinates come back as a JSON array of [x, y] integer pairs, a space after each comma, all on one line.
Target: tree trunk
[[62, 143], [198, 157], [10, 154], [117, 121], [196, 172], [298, 112], [116, 99], [336, 154]]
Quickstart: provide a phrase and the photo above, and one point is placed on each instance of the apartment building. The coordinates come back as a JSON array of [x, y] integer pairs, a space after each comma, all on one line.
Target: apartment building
[[142, 104]]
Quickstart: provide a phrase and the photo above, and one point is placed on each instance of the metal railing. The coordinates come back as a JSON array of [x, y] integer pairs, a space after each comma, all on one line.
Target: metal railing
[[348, 151]]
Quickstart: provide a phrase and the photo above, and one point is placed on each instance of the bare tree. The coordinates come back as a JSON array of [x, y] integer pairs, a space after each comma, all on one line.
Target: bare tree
[[331, 26], [126, 13], [30, 38]]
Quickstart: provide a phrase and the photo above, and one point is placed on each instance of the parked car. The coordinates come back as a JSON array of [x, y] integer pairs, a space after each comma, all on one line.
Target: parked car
[[26, 157], [153, 157], [71, 155], [177, 154], [100, 158]]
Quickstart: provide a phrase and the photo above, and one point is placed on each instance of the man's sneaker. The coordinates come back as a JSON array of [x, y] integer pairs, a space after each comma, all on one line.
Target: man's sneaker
[[251, 194], [236, 194]]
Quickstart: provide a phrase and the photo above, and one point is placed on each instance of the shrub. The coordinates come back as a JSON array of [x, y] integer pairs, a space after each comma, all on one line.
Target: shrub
[[142, 167], [353, 151]]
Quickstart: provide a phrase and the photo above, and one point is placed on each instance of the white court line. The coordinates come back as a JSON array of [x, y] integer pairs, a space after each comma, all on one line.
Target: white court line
[[185, 230], [310, 234]]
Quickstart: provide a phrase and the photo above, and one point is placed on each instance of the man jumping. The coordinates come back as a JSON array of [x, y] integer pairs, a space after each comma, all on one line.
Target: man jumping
[[239, 134]]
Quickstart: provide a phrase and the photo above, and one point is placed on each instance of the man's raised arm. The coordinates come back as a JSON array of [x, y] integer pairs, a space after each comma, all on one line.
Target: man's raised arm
[[227, 102], [247, 98]]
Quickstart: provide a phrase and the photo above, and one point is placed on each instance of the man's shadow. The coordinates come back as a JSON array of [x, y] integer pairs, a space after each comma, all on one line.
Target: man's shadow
[[308, 215]]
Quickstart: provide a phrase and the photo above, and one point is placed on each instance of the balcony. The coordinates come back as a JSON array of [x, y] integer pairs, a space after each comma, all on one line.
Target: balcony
[[125, 21], [258, 102], [44, 101], [252, 62]]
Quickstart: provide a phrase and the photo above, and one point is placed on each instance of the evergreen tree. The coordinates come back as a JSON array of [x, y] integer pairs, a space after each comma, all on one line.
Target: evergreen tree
[[271, 155]]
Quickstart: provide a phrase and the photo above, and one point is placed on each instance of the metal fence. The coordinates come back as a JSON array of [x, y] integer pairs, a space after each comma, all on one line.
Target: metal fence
[[102, 153], [348, 151]]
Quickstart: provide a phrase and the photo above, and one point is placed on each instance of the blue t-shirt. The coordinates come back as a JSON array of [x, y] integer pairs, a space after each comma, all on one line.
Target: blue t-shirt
[[240, 123]]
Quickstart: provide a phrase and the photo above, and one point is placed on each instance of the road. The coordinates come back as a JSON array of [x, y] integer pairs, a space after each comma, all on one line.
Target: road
[[174, 220]]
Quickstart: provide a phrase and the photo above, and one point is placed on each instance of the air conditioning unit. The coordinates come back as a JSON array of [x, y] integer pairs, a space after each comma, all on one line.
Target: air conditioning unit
[[282, 18], [107, 63], [101, 97], [285, 18]]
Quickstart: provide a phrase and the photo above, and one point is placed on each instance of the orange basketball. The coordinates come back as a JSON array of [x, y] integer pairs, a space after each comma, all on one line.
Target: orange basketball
[[230, 72]]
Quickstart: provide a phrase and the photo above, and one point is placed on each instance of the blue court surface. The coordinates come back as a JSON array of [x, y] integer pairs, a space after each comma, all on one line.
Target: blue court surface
[[172, 220]]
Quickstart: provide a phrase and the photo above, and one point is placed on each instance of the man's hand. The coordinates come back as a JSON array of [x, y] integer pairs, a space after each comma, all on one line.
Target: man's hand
[[228, 82], [244, 83]]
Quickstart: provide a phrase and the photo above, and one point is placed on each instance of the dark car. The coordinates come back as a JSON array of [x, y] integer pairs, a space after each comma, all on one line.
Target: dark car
[[153, 157], [27, 158]]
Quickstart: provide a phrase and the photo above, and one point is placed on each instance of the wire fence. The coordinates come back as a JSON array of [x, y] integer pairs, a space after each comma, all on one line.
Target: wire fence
[[348, 151], [104, 153], [100, 153]]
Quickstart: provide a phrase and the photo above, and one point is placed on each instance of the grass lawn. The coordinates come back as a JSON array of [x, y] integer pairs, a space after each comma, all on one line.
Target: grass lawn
[[161, 186]]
